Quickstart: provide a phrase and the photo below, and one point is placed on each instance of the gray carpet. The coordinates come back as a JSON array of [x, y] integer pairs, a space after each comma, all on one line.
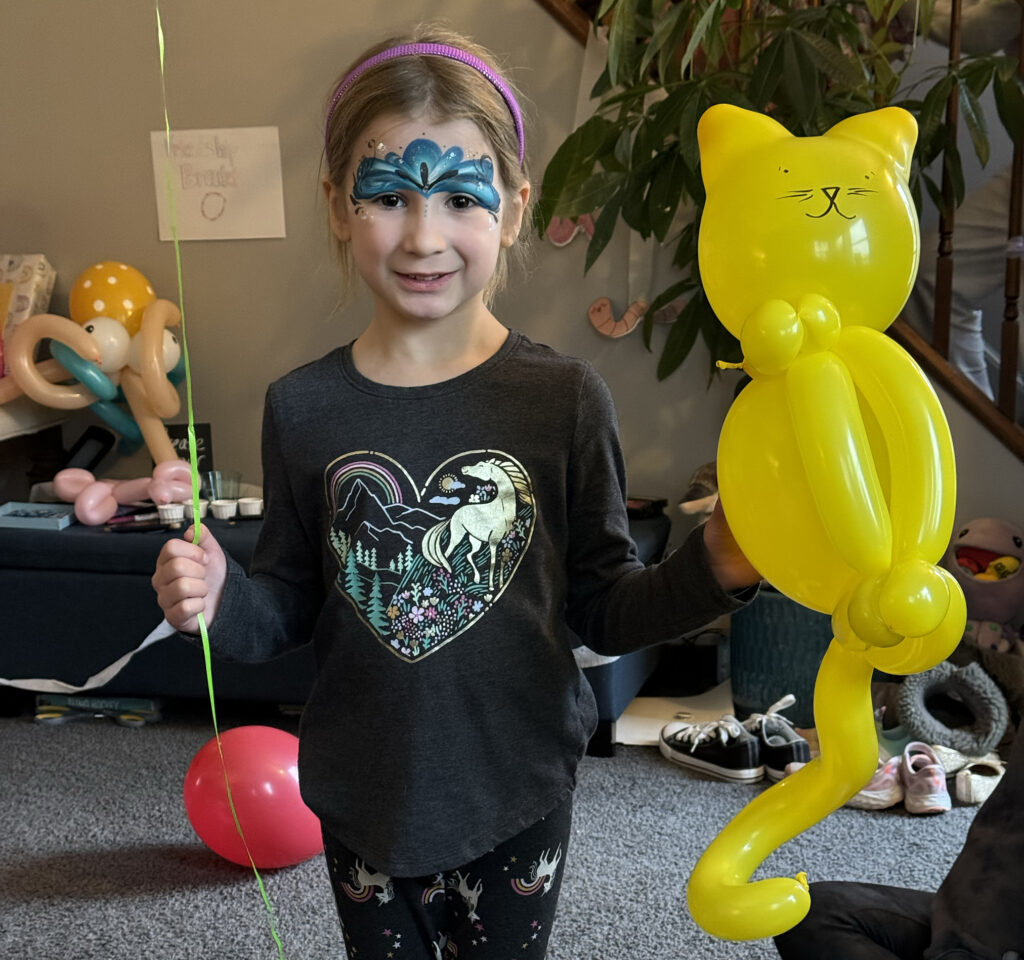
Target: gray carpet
[[98, 860]]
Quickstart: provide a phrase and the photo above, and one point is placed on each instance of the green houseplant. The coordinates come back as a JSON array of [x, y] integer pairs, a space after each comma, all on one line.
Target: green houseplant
[[806, 65]]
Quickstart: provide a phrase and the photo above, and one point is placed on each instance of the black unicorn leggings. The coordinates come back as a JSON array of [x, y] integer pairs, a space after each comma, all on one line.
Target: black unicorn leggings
[[499, 906]]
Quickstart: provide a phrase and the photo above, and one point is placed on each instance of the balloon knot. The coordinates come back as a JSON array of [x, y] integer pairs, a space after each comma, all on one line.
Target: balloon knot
[[726, 365], [801, 878]]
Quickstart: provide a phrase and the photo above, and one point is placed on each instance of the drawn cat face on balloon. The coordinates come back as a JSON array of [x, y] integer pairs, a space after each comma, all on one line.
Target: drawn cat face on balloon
[[785, 215]]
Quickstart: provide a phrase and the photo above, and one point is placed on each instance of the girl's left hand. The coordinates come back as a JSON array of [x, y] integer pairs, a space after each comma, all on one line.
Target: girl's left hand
[[729, 564]]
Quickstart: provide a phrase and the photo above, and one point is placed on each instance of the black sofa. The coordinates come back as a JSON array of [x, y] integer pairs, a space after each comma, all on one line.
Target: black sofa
[[75, 600]]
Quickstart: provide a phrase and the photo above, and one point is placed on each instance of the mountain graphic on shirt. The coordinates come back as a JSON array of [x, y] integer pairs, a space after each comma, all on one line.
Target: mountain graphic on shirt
[[389, 529]]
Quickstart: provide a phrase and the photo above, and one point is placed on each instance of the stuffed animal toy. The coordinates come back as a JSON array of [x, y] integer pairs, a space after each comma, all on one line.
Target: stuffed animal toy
[[985, 558]]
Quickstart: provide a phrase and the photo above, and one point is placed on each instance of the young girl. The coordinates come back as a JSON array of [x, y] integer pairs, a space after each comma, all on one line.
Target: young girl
[[445, 520]]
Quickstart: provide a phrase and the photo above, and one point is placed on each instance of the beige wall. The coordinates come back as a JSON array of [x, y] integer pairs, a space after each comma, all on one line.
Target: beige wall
[[82, 92]]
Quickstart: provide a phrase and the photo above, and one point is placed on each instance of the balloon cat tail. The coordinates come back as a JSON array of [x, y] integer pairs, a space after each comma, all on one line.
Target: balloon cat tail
[[720, 896], [746, 911]]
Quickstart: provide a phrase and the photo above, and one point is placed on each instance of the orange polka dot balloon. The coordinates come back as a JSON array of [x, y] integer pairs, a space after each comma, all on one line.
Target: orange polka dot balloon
[[111, 289]]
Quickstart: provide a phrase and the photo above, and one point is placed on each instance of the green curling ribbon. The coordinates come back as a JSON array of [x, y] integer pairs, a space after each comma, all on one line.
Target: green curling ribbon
[[193, 460]]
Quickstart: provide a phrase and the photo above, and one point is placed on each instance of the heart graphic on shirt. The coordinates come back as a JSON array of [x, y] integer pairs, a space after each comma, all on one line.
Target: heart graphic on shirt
[[423, 564]]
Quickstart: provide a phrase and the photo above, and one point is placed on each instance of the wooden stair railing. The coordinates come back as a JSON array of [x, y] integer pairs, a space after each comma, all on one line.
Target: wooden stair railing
[[999, 417]]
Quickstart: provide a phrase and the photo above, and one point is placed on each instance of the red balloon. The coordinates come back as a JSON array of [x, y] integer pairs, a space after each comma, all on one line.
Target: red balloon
[[262, 768]]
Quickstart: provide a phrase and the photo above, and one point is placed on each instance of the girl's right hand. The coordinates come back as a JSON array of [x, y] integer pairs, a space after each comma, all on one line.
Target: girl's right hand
[[189, 580]]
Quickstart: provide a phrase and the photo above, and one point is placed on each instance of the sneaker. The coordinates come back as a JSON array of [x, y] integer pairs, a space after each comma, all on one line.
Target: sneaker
[[720, 748], [924, 780], [781, 749], [953, 760], [976, 781], [884, 789]]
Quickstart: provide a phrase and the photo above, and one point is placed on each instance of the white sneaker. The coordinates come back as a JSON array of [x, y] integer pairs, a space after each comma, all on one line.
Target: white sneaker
[[976, 781], [924, 780], [953, 760], [885, 789]]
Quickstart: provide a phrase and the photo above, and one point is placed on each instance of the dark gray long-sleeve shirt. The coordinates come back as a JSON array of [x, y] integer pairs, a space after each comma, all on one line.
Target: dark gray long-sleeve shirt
[[446, 547]]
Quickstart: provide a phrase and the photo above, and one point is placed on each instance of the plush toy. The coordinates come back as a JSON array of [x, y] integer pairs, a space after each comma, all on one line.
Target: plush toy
[[96, 501], [985, 557]]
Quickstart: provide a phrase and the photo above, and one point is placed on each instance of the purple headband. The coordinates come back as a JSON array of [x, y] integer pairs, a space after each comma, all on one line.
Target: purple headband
[[434, 50]]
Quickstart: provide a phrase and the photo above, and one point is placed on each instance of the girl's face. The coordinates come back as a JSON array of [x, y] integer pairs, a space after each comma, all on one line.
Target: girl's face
[[426, 214]]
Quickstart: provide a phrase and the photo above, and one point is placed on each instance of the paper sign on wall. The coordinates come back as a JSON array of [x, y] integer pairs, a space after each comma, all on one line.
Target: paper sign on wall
[[226, 183]]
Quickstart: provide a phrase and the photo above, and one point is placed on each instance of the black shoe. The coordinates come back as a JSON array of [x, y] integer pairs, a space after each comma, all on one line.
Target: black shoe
[[782, 749], [720, 748]]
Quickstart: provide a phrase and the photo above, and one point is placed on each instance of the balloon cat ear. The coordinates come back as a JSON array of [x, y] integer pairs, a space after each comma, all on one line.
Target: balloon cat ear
[[725, 133], [891, 130]]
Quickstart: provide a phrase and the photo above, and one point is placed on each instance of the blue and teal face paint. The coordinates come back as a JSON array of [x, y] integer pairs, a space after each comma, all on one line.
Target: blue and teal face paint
[[426, 169]]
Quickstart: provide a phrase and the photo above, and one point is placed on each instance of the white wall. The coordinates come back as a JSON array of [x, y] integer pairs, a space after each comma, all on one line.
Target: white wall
[[82, 92]]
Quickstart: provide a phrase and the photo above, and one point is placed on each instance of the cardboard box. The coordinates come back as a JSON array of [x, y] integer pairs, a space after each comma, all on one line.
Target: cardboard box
[[32, 279]]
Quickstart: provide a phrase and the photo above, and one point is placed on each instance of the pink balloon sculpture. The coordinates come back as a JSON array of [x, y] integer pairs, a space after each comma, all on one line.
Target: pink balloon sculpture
[[262, 768], [96, 501]]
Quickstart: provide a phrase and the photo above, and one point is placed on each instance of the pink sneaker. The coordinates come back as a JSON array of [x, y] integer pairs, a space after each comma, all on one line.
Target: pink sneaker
[[924, 780], [884, 789]]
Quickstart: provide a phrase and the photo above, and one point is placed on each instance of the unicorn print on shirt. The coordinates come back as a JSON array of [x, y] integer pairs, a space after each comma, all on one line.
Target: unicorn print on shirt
[[421, 564]]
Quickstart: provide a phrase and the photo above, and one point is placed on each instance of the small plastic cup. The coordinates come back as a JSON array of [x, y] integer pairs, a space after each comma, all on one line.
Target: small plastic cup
[[204, 506], [171, 512], [224, 509], [250, 506]]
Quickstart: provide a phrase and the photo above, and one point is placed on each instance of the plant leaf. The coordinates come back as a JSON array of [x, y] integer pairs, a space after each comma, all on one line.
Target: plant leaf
[[664, 298], [594, 193], [933, 113], [664, 195], [1009, 94], [621, 40], [668, 67], [978, 74], [974, 117], [680, 339], [686, 249], [601, 85], [845, 70], [766, 74], [634, 204], [799, 80], [571, 166], [935, 192], [688, 120], [661, 39], [604, 227], [700, 30]]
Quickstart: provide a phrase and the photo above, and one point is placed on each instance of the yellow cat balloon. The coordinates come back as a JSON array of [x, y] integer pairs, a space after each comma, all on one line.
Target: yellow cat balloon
[[835, 464]]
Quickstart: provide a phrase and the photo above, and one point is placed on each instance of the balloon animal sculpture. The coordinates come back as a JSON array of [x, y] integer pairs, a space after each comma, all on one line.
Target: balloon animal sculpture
[[835, 462], [118, 344]]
